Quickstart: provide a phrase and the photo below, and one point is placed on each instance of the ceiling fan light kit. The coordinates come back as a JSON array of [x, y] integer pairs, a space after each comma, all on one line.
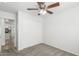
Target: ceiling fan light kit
[[43, 8], [42, 12]]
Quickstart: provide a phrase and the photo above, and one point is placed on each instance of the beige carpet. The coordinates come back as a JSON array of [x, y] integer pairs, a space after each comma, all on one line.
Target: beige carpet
[[39, 50]]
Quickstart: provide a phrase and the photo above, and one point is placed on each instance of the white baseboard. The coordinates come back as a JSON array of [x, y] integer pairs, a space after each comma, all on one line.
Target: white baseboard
[[61, 49]]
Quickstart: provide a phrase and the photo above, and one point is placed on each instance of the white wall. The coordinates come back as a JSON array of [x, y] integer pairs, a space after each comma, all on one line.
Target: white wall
[[29, 30], [4, 15], [62, 30], [1, 33], [2, 36], [7, 15]]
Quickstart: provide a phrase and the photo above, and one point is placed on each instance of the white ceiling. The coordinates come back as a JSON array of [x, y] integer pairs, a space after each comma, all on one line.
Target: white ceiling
[[13, 7]]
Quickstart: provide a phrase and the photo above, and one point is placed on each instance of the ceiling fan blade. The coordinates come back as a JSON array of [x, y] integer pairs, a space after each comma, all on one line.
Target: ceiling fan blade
[[40, 4], [32, 8], [50, 12], [53, 5]]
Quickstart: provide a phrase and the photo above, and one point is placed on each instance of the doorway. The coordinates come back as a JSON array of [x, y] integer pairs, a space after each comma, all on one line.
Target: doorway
[[10, 37]]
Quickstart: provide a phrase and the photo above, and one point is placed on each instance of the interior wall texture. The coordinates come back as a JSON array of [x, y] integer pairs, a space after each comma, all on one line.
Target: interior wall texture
[[61, 30], [7, 15], [29, 30]]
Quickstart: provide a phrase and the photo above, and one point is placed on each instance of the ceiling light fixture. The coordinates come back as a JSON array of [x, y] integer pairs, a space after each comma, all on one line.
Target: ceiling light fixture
[[42, 12]]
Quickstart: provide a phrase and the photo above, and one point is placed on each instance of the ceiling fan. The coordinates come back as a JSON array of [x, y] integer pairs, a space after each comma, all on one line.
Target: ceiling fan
[[43, 8]]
